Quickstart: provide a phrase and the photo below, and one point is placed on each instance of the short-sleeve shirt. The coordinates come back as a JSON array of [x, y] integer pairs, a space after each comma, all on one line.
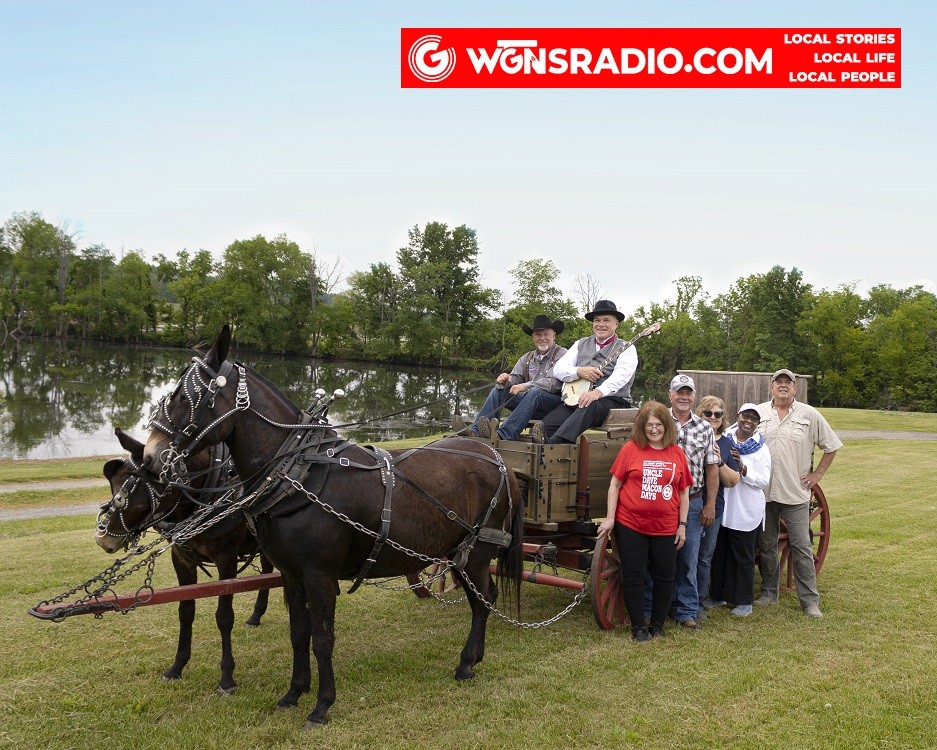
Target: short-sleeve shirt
[[651, 483], [792, 442], [698, 441]]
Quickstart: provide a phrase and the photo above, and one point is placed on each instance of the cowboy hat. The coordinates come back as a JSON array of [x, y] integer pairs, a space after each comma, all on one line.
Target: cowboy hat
[[605, 307], [543, 321]]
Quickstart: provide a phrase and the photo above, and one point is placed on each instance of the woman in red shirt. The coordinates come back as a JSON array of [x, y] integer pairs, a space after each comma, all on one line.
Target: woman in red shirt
[[648, 503]]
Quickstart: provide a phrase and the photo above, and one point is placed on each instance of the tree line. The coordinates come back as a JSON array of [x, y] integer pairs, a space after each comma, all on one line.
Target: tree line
[[877, 350]]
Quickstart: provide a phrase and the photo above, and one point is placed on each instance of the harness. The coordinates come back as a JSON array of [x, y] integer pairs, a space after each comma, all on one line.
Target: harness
[[307, 445]]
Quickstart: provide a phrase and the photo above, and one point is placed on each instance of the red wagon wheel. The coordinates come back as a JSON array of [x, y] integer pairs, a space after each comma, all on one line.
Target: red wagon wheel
[[608, 606], [819, 536], [446, 583]]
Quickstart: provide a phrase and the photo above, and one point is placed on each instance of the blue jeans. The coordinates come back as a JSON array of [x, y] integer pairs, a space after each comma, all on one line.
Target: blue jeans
[[704, 562], [498, 399], [533, 404], [686, 594]]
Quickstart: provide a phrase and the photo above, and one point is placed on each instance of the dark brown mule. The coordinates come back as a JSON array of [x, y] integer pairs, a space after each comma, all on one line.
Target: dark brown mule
[[139, 502], [454, 493]]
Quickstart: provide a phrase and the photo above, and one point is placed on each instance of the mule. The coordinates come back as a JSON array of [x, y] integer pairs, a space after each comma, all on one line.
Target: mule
[[323, 507], [140, 502]]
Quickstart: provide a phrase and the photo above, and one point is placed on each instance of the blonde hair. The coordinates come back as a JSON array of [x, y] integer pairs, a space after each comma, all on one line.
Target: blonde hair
[[713, 403], [662, 413]]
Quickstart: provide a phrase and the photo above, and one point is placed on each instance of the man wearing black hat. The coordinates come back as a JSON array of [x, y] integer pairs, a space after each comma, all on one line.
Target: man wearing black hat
[[607, 363], [530, 389]]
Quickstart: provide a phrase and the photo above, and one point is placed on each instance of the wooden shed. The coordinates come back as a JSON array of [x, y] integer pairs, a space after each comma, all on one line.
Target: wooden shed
[[737, 388]]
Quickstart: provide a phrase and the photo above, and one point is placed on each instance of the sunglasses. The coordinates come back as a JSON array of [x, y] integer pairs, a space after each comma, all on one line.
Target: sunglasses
[[716, 414]]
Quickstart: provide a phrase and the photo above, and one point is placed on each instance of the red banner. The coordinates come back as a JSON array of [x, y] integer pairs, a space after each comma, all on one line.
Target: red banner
[[650, 58]]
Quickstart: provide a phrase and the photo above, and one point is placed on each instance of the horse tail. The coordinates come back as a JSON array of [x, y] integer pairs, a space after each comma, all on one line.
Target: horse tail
[[511, 558]]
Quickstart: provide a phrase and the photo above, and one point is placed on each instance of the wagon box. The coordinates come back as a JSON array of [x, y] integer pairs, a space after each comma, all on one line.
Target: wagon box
[[549, 478]]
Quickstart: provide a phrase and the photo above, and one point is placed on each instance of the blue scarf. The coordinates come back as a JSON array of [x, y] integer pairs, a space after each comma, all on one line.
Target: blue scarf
[[750, 446]]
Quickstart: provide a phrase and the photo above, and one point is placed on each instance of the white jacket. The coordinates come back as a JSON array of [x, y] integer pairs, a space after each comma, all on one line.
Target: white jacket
[[745, 503]]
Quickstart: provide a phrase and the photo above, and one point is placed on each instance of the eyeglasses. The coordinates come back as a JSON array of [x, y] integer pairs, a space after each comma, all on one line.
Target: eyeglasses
[[716, 414], [657, 427]]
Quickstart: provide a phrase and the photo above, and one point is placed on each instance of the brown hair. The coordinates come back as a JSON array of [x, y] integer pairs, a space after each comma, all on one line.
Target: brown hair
[[662, 413], [711, 402]]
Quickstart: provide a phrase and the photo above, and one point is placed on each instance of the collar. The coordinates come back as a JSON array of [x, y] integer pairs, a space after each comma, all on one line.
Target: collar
[[609, 340]]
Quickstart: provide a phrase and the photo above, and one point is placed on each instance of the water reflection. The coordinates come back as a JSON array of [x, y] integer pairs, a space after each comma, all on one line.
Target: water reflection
[[63, 398]]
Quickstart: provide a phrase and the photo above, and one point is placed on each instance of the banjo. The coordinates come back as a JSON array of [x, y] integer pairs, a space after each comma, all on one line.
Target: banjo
[[574, 389]]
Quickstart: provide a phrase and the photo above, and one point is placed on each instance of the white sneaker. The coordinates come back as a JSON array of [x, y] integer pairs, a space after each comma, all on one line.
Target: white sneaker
[[742, 610], [812, 610], [765, 599]]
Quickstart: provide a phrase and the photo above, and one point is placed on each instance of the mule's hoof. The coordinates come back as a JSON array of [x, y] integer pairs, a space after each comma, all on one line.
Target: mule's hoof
[[171, 676], [313, 723], [226, 691], [252, 624], [285, 706], [464, 674]]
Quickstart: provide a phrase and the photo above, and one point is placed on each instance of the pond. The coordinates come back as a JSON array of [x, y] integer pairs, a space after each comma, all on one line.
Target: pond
[[62, 399]]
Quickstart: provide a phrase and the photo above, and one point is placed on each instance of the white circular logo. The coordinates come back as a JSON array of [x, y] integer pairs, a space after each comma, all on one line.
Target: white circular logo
[[667, 492], [429, 63]]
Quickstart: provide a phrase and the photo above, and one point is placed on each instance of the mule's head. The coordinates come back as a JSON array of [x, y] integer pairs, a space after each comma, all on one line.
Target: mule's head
[[140, 500], [137, 500], [195, 415]]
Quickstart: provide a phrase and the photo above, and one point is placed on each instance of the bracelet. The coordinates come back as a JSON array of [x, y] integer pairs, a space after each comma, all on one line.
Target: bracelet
[[682, 523]]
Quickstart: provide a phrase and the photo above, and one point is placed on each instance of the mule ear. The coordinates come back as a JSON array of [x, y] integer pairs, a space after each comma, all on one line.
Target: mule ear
[[133, 446], [112, 467], [219, 350]]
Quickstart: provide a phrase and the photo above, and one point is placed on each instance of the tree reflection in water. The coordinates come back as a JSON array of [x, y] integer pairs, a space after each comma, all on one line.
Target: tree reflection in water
[[63, 398]]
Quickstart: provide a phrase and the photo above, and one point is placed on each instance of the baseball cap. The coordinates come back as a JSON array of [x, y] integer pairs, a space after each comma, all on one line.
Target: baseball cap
[[682, 381], [784, 371], [748, 406]]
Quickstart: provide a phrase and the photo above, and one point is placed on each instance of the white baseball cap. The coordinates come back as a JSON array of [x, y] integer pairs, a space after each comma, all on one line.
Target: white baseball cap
[[682, 381]]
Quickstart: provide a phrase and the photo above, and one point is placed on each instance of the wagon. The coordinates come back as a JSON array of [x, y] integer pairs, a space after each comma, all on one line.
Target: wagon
[[564, 490]]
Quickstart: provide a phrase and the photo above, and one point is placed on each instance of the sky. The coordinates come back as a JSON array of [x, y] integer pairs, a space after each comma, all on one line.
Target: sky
[[163, 125]]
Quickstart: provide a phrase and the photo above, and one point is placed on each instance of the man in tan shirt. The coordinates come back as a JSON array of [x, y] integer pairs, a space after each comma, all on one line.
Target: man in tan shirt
[[792, 431]]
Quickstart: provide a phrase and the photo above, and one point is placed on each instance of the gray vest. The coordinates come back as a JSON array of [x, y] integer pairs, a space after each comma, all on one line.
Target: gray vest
[[589, 354]]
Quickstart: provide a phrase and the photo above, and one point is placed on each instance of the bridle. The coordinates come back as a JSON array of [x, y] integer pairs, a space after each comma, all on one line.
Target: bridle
[[201, 384], [219, 475], [118, 504]]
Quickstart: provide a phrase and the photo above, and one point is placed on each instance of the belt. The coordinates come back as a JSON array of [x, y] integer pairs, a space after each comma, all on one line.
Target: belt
[[694, 495]]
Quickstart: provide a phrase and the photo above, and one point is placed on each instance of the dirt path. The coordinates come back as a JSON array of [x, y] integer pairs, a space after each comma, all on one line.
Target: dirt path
[[18, 514]]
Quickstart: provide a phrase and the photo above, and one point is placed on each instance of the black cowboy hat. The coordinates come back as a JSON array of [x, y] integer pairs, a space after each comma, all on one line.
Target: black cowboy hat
[[543, 321], [605, 307]]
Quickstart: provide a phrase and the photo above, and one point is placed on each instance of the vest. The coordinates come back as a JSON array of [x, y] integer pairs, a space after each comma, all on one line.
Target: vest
[[589, 354]]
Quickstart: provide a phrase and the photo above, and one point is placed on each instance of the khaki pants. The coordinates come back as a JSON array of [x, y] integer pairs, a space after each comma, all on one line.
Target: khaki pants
[[797, 519]]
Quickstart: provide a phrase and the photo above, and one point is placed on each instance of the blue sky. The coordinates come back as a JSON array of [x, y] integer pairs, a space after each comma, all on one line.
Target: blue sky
[[166, 125]]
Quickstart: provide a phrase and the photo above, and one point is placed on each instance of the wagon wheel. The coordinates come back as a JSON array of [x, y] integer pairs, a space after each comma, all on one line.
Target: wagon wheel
[[608, 606], [819, 536], [428, 585]]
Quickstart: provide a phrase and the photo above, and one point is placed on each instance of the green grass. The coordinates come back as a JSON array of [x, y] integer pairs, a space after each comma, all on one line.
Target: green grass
[[12, 472], [865, 676], [871, 419]]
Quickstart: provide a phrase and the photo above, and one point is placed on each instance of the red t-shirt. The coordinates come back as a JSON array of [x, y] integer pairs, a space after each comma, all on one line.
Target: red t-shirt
[[651, 482]]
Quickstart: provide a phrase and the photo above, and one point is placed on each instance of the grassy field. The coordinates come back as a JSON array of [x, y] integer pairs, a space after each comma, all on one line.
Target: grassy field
[[865, 676]]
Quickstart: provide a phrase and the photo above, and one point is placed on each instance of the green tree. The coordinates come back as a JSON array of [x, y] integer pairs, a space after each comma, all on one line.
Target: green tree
[[36, 248], [375, 296], [90, 271], [442, 296], [130, 309], [905, 344], [191, 288], [836, 349], [262, 290]]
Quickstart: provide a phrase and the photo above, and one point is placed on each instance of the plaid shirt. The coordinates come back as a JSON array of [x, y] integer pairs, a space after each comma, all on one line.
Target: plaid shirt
[[698, 441]]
